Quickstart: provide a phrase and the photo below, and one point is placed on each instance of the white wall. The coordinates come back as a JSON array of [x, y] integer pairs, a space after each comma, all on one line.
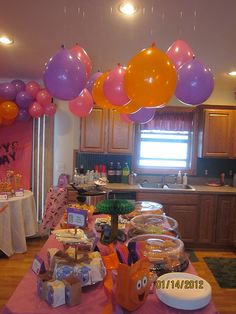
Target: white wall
[[66, 139]]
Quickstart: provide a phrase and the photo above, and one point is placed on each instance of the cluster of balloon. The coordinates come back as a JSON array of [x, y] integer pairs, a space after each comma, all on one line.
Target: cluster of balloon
[[147, 83], [195, 81], [20, 101], [67, 77]]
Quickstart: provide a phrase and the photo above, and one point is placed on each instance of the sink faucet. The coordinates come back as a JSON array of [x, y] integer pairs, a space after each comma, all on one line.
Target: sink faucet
[[169, 176]]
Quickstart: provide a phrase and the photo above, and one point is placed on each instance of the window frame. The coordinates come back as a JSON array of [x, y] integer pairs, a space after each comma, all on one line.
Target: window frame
[[192, 151]]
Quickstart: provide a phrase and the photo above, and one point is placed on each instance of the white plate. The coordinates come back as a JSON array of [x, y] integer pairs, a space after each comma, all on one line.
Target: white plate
[[183, 291]]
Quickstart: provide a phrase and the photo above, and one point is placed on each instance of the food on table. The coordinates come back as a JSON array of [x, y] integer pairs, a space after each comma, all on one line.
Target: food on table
[[155, 224], [166, 253]]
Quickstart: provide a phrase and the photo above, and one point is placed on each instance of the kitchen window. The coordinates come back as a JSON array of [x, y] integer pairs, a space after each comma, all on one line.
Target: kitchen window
[[167, 144]]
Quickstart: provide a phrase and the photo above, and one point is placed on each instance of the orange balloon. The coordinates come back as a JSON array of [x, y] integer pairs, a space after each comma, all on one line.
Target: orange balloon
[[98, 93], [131, 107], [150, 78], [8, 110]]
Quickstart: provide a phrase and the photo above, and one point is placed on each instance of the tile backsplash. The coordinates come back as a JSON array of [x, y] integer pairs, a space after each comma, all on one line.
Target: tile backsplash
[[214, 166]]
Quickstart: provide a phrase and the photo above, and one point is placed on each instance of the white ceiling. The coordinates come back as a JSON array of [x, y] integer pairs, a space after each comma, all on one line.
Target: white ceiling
[[39, 28]]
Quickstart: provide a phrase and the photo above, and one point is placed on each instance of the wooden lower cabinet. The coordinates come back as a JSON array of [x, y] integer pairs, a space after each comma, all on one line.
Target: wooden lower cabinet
[[205, 220], [187, 217], [225, 220], [181, 207]]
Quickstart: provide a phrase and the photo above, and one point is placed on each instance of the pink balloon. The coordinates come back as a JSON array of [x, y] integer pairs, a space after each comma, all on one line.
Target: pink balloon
[[126, 118], [82, 105], [143, 115], [32, 88], [50, 109], [114, 87], [179, 53], [82, 55], [36, 110], [43, 97]]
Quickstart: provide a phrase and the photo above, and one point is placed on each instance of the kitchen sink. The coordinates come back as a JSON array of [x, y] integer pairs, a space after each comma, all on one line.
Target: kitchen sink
[[168, 186]]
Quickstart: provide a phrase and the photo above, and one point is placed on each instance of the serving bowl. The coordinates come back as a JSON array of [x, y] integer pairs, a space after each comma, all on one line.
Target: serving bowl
[[165, 253], [153, 224]]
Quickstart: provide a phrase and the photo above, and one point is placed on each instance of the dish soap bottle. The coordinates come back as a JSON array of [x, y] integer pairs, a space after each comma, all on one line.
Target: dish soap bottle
[[185, 179], [179, 178]]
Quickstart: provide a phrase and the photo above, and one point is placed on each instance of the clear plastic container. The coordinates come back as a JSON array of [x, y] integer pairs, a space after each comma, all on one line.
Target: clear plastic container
[[153, 224], [145, 207], [165, 253]]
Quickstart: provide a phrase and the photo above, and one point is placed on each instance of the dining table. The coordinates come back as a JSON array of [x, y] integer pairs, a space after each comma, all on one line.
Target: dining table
[[94, 299], [17, 222]]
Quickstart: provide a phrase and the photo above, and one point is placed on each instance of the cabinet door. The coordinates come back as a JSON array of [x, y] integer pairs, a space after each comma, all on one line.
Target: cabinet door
[[207, 218], [92, 132], [217, 133], [120, 134], [233, 154], [225, 220], [187, 218]]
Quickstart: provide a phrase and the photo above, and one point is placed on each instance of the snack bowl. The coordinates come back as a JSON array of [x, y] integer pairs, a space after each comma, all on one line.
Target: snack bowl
[[153, 224], [165, 253]]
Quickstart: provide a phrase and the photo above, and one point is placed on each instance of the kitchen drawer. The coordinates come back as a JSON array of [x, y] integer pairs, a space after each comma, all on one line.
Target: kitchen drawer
[[168, 198]]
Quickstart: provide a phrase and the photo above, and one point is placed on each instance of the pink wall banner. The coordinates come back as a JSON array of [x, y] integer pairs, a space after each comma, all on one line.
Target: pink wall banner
[[16, 150]]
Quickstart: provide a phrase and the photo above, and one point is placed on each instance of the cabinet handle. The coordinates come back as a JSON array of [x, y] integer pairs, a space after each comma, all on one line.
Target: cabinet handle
[[218, 115]]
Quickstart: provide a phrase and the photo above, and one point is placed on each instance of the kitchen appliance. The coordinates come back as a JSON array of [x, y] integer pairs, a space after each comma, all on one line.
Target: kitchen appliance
[[90, 196]]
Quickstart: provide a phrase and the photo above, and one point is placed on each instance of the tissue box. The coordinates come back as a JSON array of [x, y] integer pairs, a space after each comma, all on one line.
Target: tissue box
[[55, 293], [42, 284], [72, 291], [88, 268]]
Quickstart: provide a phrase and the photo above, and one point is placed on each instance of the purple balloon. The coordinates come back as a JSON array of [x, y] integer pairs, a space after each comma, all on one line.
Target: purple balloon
[[7, 91], [195, 83], [143, 115], [64, 75], [19, 85], [24, 99], [23, 115], [91, 80]]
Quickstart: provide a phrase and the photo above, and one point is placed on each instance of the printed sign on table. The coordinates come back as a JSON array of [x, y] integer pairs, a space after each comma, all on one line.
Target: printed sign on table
[[77, 217]]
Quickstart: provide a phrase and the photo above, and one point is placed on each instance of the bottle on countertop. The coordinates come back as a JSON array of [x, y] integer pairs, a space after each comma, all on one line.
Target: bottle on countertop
[[222, 178], [234, 180], [185, 179], [132, 176], [75, 176], [179, 178], [103, 171], [118, 172], [81, 169], [111, 175], [125, 173]]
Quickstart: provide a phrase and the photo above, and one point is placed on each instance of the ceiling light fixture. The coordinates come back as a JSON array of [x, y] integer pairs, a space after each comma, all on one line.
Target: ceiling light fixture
[[233, 73], [127, 8], [6, 40]]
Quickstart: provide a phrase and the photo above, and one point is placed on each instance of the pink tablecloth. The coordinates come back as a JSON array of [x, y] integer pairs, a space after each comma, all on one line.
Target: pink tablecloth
[[25, 300]]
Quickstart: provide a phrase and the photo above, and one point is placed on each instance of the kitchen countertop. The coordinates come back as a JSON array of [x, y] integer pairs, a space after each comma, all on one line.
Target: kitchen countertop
[[202, 189]]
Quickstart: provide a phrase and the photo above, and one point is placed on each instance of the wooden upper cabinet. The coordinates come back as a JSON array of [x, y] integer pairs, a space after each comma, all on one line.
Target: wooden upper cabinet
[[92, 138], [234, 135], [120, 134], [217, 133], [103, 131]]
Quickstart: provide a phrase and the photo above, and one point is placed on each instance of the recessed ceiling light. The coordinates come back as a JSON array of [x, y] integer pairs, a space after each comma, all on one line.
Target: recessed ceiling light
[[127, 8], [6, 40], [233, 73]]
